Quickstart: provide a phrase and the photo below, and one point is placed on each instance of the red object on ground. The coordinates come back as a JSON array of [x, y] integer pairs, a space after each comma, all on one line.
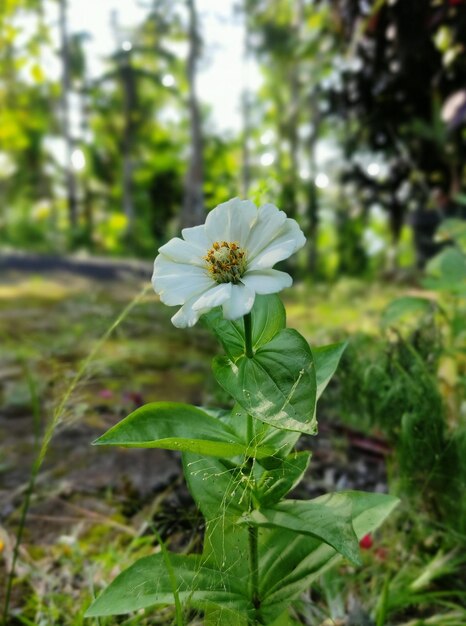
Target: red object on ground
[[366, 542]]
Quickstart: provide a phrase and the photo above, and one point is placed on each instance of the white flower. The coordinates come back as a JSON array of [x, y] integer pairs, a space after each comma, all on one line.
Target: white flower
[[226, 261]]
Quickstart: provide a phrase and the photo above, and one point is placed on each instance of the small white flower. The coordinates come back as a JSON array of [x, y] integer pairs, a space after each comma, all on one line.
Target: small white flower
[[226, 261]]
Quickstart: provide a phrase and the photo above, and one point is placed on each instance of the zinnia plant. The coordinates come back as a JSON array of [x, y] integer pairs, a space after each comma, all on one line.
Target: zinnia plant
[[261, 550]]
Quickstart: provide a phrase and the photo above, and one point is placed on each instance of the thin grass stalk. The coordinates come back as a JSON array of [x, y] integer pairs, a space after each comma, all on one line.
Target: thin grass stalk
[[46, 439]]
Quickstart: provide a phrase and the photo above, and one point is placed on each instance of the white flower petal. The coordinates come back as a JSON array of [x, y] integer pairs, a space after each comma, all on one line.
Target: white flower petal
[[213, 297], [231, 221], [288, 241], [181, 275], [196, 236], [165, 267], [240, 302], [269, 224], [177, 282], [184, 289], [182, 252], [267, 281], [196, 306], [186, 316]]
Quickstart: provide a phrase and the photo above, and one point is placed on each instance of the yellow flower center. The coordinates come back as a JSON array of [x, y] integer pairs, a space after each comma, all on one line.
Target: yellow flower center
[[226, 262]]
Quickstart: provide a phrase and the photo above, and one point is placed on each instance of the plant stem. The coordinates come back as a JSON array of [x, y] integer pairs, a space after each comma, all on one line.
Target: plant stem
[[253, 531], [254, 563], [248, 335]]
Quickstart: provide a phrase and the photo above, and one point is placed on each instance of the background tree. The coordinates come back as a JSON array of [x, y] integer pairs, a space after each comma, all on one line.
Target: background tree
[[71, 187], [27, 98], [193, 204], [408, 63]]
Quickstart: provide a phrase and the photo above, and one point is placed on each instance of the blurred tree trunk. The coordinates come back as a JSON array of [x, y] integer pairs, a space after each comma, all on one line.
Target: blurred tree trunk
[[313, 192], [88, 199], [294, 111], [71, 187], [246, 111], [129, 109], [313, 210], [193, 212]]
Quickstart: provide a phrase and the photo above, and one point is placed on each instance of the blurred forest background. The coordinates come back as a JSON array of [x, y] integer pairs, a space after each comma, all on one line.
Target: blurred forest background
[[122, 121]]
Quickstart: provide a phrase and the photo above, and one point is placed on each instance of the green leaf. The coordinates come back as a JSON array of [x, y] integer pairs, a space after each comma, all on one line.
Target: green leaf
[[447, 271], [290, 562], [277, 385], [216, 486], [218, 490], [327, 517], [177, 426], [147, 583], [268, 318], [280, 441], [326, 360], [453, 230], [274, 484], [405, 306]]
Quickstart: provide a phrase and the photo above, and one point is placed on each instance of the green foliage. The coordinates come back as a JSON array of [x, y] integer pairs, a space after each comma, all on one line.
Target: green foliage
[[328, 518], [408, 306], [176, 426], [277, 385], [275, 483], [399, 395], [307, 558], [148, 583], [447, 272], [268, 317], [326, 359], [240, 487], [412, 388]]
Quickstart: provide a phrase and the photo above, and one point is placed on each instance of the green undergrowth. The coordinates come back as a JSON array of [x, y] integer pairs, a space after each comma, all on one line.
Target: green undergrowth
[[77, 538]]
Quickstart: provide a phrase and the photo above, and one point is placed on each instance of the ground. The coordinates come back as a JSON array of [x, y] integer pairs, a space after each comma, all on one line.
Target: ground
[[92, 508]]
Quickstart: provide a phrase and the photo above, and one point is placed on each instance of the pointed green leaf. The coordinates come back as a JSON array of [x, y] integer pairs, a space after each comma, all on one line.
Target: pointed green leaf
[[177, 426], [302, 559], [277, 385], [147, 583], [275, 483], [268, 318], [327, 517], [218, 489], [216, 486], [326, 360]]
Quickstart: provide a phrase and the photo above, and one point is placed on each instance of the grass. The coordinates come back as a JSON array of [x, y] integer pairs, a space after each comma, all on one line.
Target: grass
[[71, 354], [68, 368]]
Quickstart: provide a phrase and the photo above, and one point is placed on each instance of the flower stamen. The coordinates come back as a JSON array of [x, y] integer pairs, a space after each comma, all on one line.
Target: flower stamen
[[226, 262]]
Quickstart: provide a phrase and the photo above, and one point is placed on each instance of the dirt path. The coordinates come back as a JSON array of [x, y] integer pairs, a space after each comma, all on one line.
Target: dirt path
[[96, 268]]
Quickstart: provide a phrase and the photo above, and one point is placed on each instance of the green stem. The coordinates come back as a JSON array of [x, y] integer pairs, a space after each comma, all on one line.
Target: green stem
[[254, 563], [253, 532], [248, 335]]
